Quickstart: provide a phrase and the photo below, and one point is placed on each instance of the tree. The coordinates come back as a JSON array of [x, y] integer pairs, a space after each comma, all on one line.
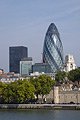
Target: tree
[[59, 77], [74, 75], [46, 84], [7, 93], [14, 87], [18, 91], [43, 85], [36, 83], [28, 89], [24, 91], [1, 86]]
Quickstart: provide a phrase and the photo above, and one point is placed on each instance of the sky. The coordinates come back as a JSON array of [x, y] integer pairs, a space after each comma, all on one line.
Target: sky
[[25, 23]]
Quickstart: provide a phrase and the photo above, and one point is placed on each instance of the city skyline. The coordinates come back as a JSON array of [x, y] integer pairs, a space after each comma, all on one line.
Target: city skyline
[[24, 23]]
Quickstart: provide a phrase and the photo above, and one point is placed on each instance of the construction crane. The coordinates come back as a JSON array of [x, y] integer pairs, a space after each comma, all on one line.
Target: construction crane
[[43, 58]]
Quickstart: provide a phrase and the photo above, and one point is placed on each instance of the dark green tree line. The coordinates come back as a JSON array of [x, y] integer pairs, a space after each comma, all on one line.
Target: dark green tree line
[[22, 91], [74, 75], [17, 92], [60, 76]]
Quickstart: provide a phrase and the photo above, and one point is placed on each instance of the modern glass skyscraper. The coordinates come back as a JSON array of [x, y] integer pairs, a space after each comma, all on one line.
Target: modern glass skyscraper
[[53, 49], [15, 55], [26, 66]]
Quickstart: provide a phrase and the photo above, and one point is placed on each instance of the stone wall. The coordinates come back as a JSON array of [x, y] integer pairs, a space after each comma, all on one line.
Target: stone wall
[[66, 96]]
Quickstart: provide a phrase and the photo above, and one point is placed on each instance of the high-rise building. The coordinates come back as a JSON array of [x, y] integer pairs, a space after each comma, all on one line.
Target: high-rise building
[[26, 66], [41, 67], [53, 49], [69, 63], [15, 55]]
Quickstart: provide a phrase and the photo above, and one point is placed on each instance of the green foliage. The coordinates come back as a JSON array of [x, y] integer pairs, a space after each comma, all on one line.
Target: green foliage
[[17, 92], [1, 86], [29, 90], [22, 91], [59, 77], [74, 75], [7, 93], [43, 85], [46, 84], [36, 83]]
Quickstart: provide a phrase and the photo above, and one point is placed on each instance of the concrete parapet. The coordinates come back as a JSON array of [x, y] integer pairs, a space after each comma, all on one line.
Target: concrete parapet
[[41, 106]]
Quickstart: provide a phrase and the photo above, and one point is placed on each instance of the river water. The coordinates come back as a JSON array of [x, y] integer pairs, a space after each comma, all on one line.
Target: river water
[[36, 114]]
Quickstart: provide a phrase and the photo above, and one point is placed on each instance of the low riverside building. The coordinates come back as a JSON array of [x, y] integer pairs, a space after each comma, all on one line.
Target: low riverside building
[[9, 77], [36, 74], [63, 94], [66, 94]]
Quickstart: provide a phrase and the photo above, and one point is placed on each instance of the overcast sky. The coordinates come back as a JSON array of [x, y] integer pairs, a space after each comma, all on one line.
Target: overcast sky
[[25, 22]]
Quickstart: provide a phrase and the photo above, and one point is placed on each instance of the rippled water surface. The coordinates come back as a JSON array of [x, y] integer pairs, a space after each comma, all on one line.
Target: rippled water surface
[[39, 114]]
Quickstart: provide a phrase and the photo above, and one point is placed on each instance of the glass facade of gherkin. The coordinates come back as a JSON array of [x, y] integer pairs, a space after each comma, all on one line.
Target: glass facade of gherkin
[[53, 49]]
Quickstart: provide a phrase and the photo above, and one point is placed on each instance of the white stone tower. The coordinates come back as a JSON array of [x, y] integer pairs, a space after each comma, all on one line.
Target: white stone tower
[[69, 63]]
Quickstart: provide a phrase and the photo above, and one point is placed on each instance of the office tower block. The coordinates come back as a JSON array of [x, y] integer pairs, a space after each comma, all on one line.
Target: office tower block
[[26, 66], [41, 68], [15, 55]]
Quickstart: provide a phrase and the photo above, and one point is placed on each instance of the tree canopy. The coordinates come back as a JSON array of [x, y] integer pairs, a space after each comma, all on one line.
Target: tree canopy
[[43, 85], [22, 91], [17, 92], [59, 77], [74, 75]]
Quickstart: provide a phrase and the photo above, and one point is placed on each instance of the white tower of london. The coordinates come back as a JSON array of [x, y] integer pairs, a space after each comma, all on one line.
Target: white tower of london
[[69, 63]]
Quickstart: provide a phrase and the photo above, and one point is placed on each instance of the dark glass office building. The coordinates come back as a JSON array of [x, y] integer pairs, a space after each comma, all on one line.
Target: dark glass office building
[[53, 49], [41, 67], [15, 56]]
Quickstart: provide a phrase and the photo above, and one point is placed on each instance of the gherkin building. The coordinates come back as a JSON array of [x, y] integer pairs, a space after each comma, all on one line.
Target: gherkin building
[[53, 49]]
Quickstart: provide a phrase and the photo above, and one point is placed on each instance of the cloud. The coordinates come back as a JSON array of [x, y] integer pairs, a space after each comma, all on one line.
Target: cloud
[[72, 10]]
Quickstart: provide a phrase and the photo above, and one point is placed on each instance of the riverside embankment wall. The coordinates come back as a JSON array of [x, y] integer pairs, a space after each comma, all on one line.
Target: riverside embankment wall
[[40, 106]]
